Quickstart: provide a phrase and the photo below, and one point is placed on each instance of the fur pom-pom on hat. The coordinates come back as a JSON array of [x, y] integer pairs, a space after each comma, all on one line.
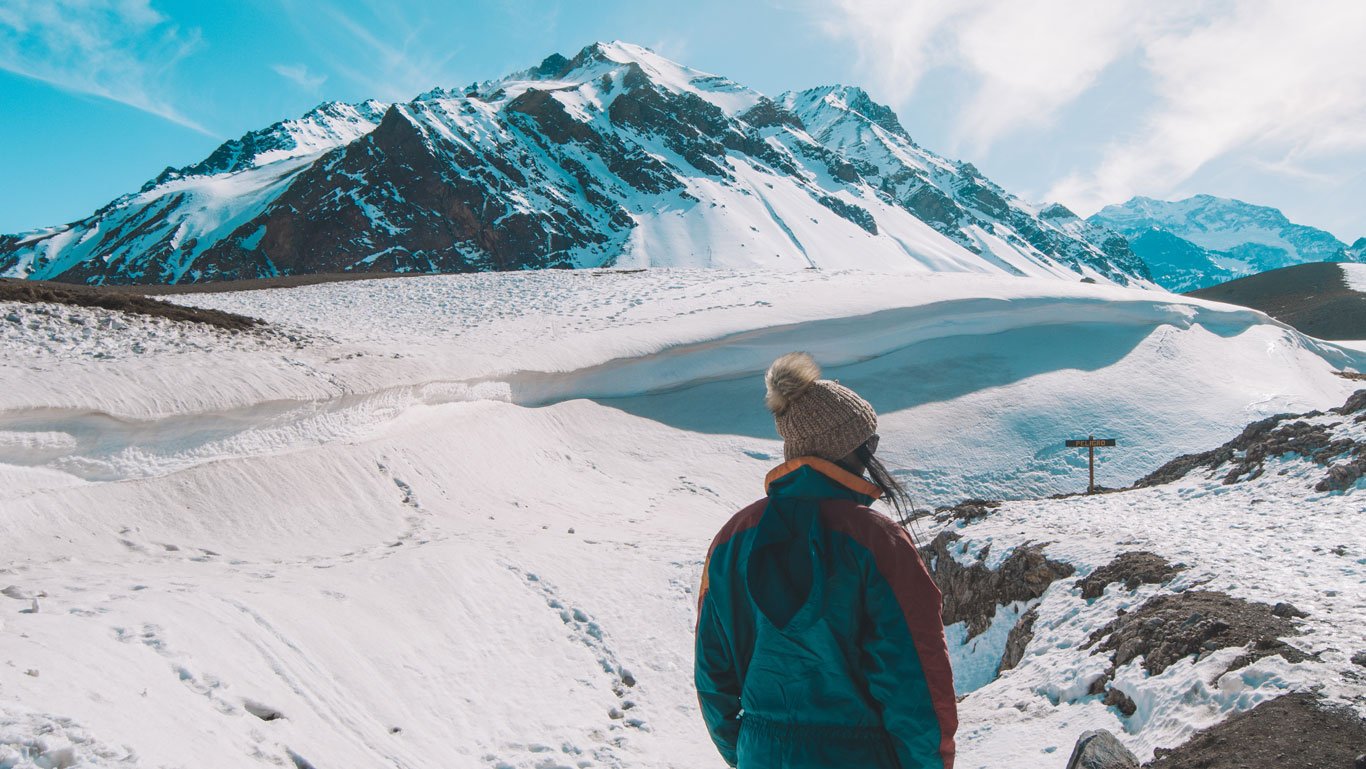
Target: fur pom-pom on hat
[[815, 417], [788, 378]]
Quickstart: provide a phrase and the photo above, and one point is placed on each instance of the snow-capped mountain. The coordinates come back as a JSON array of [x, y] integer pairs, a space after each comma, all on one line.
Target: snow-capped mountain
[[1357, 251], [1204, 240], [616, 156]]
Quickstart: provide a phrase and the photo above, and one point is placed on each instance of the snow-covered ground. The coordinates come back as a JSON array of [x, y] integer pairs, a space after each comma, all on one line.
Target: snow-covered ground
[[457, 521], [1355, 275], [1270, 540]]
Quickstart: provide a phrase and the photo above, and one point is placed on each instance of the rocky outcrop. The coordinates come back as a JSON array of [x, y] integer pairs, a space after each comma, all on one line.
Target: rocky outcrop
[[1099, 749], [972, 593], [1303, 435], [1018, 640], [1294, 731], [967, 511], [1132, 568], [1168, 628]]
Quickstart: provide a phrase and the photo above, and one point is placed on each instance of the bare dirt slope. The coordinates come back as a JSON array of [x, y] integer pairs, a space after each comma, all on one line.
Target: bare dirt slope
[[1314, 298]]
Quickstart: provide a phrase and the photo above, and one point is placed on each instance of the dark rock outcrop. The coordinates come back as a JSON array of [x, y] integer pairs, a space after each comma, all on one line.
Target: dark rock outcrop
[[1018, 640], [972, 593], [1245, 457], [1132, 568], [967, 511], [1294, 731], [1168, 628], [1099, 749]]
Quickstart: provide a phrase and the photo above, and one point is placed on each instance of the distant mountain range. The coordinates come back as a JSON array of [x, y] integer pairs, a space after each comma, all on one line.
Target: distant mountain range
[[1201, 241], [615, 156]]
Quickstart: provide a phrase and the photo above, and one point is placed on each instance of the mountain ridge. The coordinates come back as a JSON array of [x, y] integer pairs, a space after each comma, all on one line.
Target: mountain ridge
[[615, 156], [1205, 240]]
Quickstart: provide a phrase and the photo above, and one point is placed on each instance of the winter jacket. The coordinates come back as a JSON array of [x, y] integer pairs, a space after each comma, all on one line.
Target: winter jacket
[[819, 635]]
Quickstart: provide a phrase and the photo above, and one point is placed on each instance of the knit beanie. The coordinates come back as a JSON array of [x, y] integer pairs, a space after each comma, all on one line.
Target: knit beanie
[[816, 417]]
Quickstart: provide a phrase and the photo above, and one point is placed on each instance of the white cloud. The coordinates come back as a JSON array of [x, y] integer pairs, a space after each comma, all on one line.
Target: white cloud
[[122, 50], [1282, 86], [898, 41], [300, 75], [1277, 85]]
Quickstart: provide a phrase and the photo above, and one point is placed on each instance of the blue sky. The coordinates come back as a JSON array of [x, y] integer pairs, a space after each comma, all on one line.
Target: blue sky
[[1087, 103]]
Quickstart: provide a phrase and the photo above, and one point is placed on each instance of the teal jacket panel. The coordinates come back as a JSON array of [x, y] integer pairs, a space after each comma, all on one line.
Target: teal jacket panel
[[819, 639]]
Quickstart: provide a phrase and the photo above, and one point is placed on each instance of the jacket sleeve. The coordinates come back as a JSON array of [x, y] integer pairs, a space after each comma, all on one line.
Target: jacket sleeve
[[718, 686], [905, 656]]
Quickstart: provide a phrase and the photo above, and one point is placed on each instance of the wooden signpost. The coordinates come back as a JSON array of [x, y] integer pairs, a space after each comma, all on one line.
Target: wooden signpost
[[1090, 443]]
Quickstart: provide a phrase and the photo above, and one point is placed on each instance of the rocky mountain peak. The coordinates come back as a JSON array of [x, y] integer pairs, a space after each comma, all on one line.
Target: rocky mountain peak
[[828, 104], [1204, 239], [615, 155]]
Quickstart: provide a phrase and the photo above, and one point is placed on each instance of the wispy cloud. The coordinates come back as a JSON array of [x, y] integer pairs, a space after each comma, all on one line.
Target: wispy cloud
[[379, 47], [1281, 86], [121, 50], [300, 75], [1276, 85]]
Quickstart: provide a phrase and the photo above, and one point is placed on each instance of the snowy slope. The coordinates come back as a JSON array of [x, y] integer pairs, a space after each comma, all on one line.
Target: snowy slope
[[1204, 240], [1355, 275], [1271, 540], [457, 521], [617, 156]]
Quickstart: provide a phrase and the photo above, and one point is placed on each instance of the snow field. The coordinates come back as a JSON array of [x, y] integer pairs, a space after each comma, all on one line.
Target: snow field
[[405, 581], [1355, 275], [362, 521], [1268, 540]]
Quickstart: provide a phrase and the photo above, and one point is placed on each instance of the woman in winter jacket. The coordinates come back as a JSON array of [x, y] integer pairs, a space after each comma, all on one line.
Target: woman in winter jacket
[[819, 637]]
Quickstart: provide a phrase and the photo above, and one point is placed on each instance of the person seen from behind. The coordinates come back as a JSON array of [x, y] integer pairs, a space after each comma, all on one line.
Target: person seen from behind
[[819, 634]]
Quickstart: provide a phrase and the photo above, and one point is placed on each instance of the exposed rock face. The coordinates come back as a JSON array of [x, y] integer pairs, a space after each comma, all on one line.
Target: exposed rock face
[[967, 511], [1294, 731], [1133, 569], [1100, 749], [1306, 435], [1019, 639], [613, 155], [1167, 628], [972, 593]]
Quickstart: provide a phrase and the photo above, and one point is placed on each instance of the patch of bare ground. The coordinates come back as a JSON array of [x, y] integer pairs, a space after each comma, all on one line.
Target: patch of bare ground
[[1132, 568], [35, 292], [1168, 628], [1294, 731], [257, 284], [1314, 298]]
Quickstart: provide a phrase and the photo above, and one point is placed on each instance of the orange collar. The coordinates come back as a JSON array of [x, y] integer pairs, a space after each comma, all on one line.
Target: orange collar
[[827, 468]]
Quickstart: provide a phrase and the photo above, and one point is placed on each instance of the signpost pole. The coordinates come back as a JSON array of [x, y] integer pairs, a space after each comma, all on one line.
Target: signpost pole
[[1091, 463], [1090, 443]]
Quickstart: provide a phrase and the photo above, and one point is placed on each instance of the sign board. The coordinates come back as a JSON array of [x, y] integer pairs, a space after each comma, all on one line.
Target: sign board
[[1090, 443]]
